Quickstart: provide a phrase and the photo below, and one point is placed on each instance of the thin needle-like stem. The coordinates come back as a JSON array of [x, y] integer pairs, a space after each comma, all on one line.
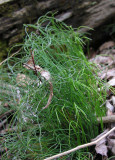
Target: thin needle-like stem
[[10, 57]]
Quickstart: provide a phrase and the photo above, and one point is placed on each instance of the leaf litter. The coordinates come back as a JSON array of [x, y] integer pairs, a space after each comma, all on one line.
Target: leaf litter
[[105, 61]]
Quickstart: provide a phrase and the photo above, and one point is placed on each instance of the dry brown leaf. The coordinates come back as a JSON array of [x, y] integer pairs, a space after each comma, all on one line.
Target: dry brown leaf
[[107, 74], [45, 74], [30, 63], [112, 82], [102, 60], [109, 106], [106, 143], [101, 147], [106, 45], [111, 142], [113, 100]]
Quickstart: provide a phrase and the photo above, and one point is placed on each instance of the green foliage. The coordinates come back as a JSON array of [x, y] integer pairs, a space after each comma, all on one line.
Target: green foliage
[[70, 119]]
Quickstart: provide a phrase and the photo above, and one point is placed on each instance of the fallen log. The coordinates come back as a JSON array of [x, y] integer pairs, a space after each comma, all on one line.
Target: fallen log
[[13, 14], [107, 119]]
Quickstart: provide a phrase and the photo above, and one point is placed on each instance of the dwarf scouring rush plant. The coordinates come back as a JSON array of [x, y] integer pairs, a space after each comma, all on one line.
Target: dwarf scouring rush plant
[[70, 117]]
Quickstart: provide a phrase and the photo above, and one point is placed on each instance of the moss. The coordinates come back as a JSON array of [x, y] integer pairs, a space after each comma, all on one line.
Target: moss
[[8, 9]]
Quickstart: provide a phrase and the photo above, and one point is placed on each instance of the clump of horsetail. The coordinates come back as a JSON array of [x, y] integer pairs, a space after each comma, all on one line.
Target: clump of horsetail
[[55, 93]]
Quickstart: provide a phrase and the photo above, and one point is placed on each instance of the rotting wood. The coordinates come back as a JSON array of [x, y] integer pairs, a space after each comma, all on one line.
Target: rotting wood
[[13, 15], [98, 14]]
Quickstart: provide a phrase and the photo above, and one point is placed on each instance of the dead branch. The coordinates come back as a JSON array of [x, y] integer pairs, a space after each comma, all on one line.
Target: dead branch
[[32, 55], [81, 146], [106, 119], [50, 96]]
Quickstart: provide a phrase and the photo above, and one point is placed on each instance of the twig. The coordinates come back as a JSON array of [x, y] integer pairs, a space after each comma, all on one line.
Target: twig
[[32, 55], [50, 96], [106, 119], [81, 146], [27, 65], [10, 57], [3, 122], [31, 67]]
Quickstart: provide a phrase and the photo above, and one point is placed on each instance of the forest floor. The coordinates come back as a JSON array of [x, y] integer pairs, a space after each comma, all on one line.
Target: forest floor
[[104, 57]]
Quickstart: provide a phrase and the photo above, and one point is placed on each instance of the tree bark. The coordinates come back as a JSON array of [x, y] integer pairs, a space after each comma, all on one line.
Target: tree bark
[[13, 14]]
